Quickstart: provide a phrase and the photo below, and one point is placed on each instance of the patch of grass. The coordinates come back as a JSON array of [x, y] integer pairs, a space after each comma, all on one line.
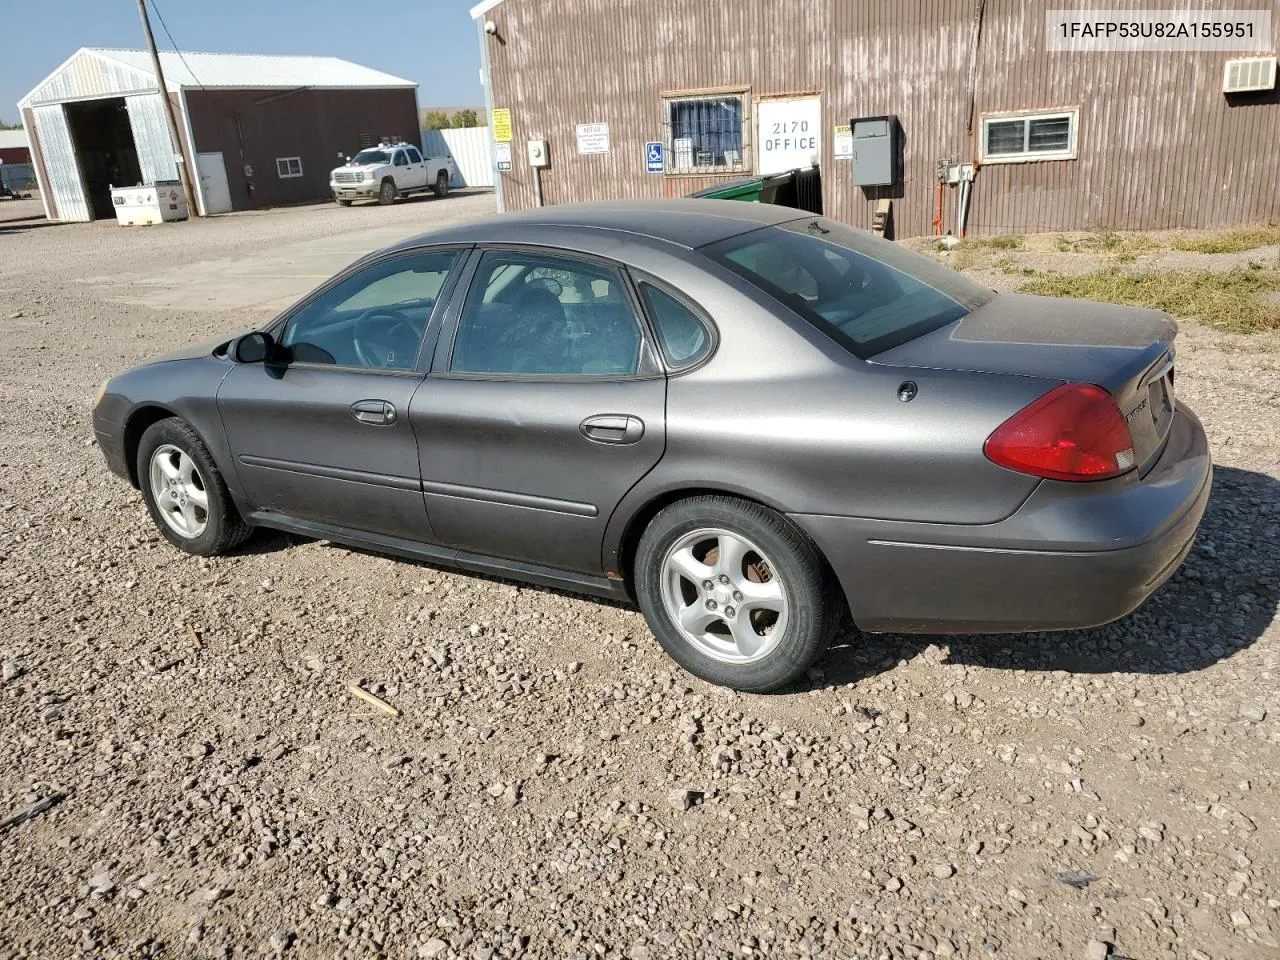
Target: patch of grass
[[1104, 240], [1229, 241], [977, 252], [1007, 241], [1242, 300], [1010, 267]]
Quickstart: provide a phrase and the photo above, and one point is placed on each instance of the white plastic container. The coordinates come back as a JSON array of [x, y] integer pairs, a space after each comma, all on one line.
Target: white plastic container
[[157, 203]]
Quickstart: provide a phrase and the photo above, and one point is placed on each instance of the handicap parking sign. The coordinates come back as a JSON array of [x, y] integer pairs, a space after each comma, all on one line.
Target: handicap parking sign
[[654, 158]]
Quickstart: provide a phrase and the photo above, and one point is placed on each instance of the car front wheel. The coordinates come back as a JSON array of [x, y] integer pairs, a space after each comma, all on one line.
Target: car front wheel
[[185, 493], [387, 193], [735, 593]]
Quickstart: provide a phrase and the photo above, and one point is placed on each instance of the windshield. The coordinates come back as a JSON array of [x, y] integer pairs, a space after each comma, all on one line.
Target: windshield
[[867, 294], [370, 156]]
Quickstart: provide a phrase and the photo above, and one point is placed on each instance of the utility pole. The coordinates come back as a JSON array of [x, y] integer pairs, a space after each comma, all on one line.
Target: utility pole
[[184, 171]]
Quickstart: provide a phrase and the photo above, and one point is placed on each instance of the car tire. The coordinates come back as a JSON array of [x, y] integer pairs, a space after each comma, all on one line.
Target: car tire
[[772, 606], [387, 193], [441, 186], [344, 203], [176, 471]]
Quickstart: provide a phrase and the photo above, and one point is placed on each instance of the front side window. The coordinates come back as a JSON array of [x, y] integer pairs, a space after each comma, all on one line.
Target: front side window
[[867, 294], [288, 167], [414, 155], [375, 318], [707, 133], [683, 337], [401, 160], [1012, 138], [540, 316]]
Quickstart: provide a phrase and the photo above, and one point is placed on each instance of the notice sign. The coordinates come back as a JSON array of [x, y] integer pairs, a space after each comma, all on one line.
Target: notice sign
[[502, 155], [593, 138], [654, 157], [842, 141], [790, 134], [502, 125]]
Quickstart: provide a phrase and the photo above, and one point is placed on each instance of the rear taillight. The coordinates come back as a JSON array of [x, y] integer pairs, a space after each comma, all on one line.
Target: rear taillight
[[1075, 432]]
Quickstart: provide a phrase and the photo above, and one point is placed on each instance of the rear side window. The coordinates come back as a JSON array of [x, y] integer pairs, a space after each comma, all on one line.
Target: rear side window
[[414, 156], [546, 316], [865, 293], [682, 335]]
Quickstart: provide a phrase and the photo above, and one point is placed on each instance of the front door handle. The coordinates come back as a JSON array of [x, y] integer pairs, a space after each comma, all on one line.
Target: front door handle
[[612, 428], [378, 413]]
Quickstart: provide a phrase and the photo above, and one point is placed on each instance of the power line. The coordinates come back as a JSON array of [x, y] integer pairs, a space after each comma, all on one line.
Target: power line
[[173, 43]]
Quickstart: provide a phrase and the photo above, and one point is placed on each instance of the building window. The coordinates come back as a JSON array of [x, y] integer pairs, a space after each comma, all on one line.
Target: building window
[[707, 134], [1018, 137], [287, 167]]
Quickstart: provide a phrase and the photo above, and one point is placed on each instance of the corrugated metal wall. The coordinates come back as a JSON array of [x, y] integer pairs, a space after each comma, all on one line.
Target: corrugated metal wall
[[252, 128], [65, 187], [151, 137], [469, 147], [88, 75], [1159, 144]]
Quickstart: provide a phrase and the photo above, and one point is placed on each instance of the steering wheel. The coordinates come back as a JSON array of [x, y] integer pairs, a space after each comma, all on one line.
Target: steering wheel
[[386, 339]]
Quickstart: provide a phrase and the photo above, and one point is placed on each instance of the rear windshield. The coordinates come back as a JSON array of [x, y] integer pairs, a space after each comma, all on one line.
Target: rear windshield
[[867, 294], [371, 156]]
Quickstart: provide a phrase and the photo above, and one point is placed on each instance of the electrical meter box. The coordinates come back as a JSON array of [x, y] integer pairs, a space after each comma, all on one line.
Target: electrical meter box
[[538, 156], [877, 151]]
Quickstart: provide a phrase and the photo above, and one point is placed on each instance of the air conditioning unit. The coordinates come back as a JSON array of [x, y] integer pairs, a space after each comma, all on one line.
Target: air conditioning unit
[[1245, 76]]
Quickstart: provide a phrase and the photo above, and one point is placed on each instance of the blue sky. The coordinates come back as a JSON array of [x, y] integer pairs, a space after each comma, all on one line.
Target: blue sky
[[430, 41]]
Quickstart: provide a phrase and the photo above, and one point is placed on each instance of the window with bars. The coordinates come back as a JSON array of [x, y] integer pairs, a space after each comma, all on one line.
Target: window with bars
[[1013, 138], [707, 133]]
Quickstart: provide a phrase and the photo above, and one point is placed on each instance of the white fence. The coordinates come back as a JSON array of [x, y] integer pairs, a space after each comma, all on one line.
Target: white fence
[[469, 147]]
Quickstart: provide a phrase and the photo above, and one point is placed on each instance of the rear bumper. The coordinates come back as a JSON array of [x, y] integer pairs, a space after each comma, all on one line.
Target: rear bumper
[[1072, 556]]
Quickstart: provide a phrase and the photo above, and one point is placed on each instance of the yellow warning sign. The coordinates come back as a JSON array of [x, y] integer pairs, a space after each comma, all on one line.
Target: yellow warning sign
[[502, 125]]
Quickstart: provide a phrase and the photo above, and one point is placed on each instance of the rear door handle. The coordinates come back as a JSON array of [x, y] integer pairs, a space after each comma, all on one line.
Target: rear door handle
[[378, 413], [612, 428]]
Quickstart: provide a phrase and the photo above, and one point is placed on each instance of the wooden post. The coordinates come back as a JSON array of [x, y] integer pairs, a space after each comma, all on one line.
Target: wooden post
[[184, 167]]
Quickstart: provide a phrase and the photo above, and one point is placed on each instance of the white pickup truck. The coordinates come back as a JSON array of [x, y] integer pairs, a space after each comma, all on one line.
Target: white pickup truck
[[388, 171]]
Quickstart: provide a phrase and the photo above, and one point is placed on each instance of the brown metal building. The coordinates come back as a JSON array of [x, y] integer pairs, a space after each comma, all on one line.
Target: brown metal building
[[260, 130], [1061, 140]]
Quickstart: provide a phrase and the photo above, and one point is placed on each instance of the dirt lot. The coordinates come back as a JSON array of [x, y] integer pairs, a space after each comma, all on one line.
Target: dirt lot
[[555, 787]]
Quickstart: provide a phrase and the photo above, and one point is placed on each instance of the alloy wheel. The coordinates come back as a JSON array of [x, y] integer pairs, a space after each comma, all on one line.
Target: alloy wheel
[[724, 595], [179, 491]]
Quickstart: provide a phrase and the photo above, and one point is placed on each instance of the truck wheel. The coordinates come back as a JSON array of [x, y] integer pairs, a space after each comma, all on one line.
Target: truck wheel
[[387, 195], [442, 184], [344, 203]]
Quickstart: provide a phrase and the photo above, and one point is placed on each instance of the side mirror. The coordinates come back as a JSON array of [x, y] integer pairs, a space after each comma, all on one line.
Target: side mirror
[[254, 347]]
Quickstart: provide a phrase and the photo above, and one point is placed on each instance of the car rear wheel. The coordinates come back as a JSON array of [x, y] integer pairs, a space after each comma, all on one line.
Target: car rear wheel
[[388, 193], [442, 184], [185, 492], [735, 593]]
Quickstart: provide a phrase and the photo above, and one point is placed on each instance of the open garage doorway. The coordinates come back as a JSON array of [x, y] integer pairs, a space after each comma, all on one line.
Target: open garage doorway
[[103, 139]]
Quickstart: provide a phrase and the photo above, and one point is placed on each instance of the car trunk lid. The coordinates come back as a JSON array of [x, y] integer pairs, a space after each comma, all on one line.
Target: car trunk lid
[[1126, 350]]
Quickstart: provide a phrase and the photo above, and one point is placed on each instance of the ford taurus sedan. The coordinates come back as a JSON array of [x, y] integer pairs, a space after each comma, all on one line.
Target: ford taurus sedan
[[744, 419]]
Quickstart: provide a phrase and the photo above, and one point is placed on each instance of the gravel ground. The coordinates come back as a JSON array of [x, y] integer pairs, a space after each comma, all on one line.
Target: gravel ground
[[554, 786]]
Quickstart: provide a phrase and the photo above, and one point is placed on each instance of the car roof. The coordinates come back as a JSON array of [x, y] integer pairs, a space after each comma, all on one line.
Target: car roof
[[686, 222]]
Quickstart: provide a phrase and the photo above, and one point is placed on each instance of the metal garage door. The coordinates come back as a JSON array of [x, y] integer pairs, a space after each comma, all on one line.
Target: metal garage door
[[151, 137], [60, 160]]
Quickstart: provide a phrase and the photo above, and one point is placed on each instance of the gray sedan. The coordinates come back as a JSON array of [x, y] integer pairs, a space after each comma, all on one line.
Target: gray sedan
[[744, 419]]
